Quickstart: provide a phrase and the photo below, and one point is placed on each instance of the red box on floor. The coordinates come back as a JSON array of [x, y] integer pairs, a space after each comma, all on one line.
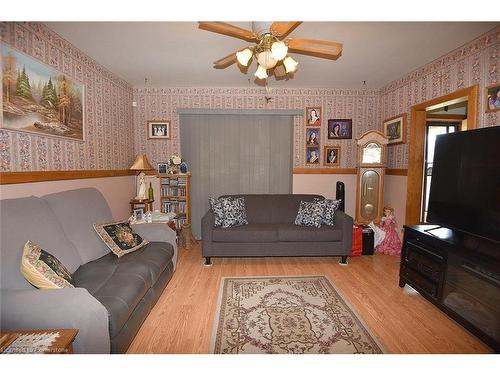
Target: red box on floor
[[357, 241]]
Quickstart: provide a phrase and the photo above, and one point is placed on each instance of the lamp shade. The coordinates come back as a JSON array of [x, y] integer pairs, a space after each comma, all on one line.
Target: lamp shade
[[261, 72], [265, 59], [141, 163], [290, 64], [279, 50]]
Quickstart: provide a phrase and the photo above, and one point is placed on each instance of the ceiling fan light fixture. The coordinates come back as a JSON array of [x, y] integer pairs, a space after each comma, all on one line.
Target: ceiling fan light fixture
[[279, 50], [265, 59], [261, 72], [290, 64], [244, 56]]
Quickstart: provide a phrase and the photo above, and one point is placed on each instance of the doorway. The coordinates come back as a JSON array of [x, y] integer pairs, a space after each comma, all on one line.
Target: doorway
[[433, 110]]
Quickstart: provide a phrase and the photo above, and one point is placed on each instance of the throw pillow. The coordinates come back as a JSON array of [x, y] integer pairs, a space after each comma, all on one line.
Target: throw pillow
[[330, 206], [218, 208], [310, 214], [234, 212], [43, 270], [119, 237]]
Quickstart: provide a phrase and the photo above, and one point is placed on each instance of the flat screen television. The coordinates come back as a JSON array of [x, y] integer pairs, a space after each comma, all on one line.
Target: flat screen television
[[465, 185]]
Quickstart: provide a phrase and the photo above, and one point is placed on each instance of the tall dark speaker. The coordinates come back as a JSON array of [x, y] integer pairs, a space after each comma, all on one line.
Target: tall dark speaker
[[340, 194]]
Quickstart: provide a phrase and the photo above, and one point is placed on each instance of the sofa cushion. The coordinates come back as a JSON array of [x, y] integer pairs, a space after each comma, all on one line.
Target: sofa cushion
[[218, 208], [294, 233], [120, 283], [77, 210], [247, 233], [24, 219], [119, 237], [310, 214], [43, 270], [330, 206], [234, 212]]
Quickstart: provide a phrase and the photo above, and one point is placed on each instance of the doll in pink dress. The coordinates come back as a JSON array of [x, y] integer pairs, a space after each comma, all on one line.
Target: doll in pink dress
[[391, 244]]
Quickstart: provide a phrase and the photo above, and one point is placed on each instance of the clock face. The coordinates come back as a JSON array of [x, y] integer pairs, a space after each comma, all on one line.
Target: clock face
[[372, 154]]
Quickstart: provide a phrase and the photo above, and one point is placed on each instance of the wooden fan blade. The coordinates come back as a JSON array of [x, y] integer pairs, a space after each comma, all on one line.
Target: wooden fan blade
[[228, 29], [282, 29], [225, 61], [317, 48]]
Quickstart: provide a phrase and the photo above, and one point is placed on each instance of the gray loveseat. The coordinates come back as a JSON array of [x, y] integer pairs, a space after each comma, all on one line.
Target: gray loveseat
[[271, 231], [112, 296]]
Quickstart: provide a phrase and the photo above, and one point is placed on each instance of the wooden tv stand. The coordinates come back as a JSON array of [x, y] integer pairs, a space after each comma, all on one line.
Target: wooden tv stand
[[458, 273]]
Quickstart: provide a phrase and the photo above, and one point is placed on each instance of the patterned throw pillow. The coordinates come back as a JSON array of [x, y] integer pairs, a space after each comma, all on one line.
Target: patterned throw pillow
[[329, 206], [43, 270], [119, 237], [310, 214], [218, 208], [234, 212]]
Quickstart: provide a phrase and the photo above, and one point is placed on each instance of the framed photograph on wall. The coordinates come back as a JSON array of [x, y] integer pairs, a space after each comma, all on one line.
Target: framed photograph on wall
[[394, 128], [312, 155], [340, 129], [162, 168], [40, 99], [158, 129], [331, 156], [313, 116], [493, 98], [312, 136]]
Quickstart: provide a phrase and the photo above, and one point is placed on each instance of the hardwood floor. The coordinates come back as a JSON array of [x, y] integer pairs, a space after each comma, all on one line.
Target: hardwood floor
[[403, 321]]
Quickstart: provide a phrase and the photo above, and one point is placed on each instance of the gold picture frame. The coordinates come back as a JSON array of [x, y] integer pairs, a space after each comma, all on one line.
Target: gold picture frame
[[395, 129], [331, 156], [492, 97]]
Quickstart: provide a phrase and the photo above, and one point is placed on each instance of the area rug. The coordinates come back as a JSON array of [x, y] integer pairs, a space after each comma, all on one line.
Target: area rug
[[286, 315]]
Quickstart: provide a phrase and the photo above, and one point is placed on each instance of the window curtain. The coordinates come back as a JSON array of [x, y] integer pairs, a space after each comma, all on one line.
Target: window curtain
[[235, 154]]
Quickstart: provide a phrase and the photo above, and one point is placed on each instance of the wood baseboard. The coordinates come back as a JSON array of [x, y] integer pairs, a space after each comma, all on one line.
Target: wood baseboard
[[40, 176], [396, 172]]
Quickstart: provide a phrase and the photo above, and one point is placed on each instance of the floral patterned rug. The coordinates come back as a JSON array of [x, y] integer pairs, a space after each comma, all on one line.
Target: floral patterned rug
[[287, 315]]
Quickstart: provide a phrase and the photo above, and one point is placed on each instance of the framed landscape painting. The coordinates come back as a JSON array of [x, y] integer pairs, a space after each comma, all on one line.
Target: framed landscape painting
[[394, 128], [40, 99]]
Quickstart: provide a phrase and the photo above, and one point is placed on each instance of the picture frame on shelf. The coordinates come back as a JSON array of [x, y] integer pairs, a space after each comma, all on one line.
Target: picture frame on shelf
[[493, 97], [395, 129], [159, 129], [340, 129], [312, 155], [331, 156], [313, 116], [162, 168], [312, 136], [138, 214]]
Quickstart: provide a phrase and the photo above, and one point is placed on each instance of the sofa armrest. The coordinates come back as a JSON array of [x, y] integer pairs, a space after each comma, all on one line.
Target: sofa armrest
[[58, 308], [158, 232], [207, 225], [345, 223]]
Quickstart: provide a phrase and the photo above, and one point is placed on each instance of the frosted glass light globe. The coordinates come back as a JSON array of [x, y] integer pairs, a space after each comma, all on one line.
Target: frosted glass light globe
[[265, 59], [261, 72], [279, 50], [290, 64], [244, 56]]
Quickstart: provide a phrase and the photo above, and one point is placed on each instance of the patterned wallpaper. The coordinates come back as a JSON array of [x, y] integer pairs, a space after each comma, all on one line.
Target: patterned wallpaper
[[474, 63], [108, 115], [162, 103]]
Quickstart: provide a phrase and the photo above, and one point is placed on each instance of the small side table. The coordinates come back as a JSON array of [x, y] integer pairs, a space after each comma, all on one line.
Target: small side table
[[61, 345], [147, 204]]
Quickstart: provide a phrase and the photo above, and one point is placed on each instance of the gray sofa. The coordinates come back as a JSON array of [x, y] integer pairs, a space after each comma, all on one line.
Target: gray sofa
[[271, 231], [112, 296]]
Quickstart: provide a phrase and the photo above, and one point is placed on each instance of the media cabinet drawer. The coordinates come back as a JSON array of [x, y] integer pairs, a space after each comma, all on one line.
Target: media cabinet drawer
[[417, 280], [423, 261]]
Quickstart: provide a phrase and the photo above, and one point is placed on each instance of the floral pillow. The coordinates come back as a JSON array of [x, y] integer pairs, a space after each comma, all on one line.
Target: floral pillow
[[310, 214], [43, 270], [119, 237], [235, 213], [329, 206], [218, 208]]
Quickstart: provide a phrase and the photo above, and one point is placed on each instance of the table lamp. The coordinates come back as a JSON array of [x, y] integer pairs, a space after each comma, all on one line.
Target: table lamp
[[141, 164]]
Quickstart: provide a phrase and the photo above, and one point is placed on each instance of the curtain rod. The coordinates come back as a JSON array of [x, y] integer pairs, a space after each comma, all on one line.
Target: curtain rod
[[228, 111]]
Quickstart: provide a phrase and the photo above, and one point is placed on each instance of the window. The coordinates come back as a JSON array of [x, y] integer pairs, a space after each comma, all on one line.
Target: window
[[433, 129]]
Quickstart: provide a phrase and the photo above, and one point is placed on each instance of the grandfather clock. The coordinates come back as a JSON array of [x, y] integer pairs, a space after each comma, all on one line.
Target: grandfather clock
[[372, 155]]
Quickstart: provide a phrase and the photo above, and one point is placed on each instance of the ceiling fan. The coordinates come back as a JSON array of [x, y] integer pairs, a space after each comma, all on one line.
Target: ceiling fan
[[271, 47]]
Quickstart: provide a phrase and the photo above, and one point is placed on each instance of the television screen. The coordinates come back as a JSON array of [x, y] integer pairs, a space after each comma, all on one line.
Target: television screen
[[465, 185]]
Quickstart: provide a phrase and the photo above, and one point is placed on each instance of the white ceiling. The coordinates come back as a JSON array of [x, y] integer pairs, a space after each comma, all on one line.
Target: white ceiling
[[180, 54]]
